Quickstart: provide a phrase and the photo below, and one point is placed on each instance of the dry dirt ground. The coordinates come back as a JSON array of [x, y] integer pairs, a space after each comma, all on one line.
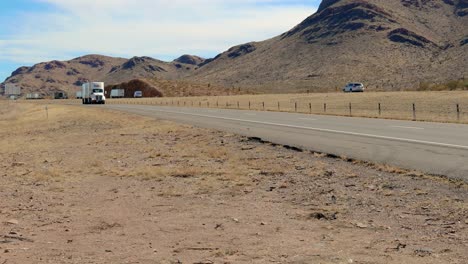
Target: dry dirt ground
[[92, 186]]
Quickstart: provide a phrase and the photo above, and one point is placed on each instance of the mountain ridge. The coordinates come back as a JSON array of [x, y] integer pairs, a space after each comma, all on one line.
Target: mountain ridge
[[387, 44]]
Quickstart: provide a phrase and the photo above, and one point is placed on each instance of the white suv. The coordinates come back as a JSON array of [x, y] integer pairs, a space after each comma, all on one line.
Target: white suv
[[353, 87]]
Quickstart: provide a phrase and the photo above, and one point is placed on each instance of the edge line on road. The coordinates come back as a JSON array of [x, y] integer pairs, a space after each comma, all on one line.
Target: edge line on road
[[322, 130]]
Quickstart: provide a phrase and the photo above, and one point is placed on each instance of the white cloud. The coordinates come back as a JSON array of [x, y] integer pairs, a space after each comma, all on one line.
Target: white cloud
[[160, 28]]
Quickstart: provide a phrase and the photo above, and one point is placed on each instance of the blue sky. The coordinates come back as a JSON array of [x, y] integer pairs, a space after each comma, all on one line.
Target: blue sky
[[33, 31]]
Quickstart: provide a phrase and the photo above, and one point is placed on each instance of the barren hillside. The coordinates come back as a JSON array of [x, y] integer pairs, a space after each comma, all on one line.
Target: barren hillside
[[388, 44], [48, 77]]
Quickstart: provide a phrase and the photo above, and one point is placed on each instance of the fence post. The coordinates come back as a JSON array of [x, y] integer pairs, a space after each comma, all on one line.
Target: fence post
[[263, 104], [278, 106], [458, 112], [414, 112], [238, 106], [350, 110], [249, 105], [380, 110], [310, 108], [217, 104], [295, 106], [199, 104], [227, 105], [324, 107]]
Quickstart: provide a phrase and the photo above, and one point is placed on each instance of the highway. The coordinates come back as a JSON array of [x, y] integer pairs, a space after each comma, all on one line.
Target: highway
[[434, 148]]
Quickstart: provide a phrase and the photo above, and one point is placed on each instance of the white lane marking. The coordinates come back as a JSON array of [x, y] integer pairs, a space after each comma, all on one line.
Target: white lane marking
[[439, 144], [308, 119], [407, 127]]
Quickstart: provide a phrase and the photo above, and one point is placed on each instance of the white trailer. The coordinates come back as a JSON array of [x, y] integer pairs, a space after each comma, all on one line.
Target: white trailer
[[93, 93], [32, 96], [117, 93], [12, 89]]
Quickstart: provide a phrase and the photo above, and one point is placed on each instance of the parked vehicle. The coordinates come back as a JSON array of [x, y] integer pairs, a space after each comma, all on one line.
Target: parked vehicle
[[117, 93], [93, 93], [353, 87], [79, 95], [31, 96], [138, 94], [60, 95]]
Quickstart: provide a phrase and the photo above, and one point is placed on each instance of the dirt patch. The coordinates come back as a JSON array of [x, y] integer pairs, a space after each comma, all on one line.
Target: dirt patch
[[84, 186]]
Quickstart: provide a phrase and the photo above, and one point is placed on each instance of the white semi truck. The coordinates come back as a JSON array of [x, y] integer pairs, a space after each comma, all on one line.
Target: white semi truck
[[117, 93], [93, 93]]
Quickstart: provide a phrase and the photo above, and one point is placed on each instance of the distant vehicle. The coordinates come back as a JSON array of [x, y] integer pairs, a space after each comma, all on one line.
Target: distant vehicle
[[354, 87], [32, 96], [60, 95], [93, 93], [117, 93], [79, 95], [138, 94]]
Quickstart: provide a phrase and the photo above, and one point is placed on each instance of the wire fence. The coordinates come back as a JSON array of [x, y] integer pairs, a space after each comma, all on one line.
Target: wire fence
[[455, 112], [404, 108]]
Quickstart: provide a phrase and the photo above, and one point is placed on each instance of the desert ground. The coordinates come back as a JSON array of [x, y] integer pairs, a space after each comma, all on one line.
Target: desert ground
[[87, 185], [440, 106]]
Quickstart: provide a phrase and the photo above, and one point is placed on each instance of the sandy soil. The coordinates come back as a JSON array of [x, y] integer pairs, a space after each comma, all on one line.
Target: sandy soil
[[86, 185]]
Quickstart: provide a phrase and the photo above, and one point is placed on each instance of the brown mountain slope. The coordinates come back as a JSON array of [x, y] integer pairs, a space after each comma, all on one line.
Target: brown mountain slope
[[51, 76], [68, 76], [388, 44]]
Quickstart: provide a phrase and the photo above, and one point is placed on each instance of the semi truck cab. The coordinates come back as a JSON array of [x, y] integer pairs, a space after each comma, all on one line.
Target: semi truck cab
[[93, 93]]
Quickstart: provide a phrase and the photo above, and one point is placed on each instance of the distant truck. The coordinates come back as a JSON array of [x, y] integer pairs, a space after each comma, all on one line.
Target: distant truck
[[60, 95], [138, 94], [117, 93], [93, 93], [32, 96], [79, 95]]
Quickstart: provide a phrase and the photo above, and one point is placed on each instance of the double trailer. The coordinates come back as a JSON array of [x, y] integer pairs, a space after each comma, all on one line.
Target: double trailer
[[93, 93]]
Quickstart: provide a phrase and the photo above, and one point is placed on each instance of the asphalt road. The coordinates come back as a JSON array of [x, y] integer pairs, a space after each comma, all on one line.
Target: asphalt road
[[435, 148]]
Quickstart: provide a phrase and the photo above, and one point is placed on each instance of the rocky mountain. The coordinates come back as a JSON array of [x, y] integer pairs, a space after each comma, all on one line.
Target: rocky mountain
[[387, 44], [68, 76]]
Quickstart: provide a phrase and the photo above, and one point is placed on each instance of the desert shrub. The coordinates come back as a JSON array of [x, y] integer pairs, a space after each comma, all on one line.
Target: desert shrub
[[424, 86], [453, 85]]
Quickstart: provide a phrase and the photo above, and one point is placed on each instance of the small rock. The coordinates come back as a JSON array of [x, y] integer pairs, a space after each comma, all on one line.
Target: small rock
[[108, 250], [323, 215], [12, 222], [361, 225], [423, 252], [262, 223], [235, 220]]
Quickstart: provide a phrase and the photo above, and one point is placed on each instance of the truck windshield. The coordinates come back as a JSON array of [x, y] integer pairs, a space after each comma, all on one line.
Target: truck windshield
[[98, 91]]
